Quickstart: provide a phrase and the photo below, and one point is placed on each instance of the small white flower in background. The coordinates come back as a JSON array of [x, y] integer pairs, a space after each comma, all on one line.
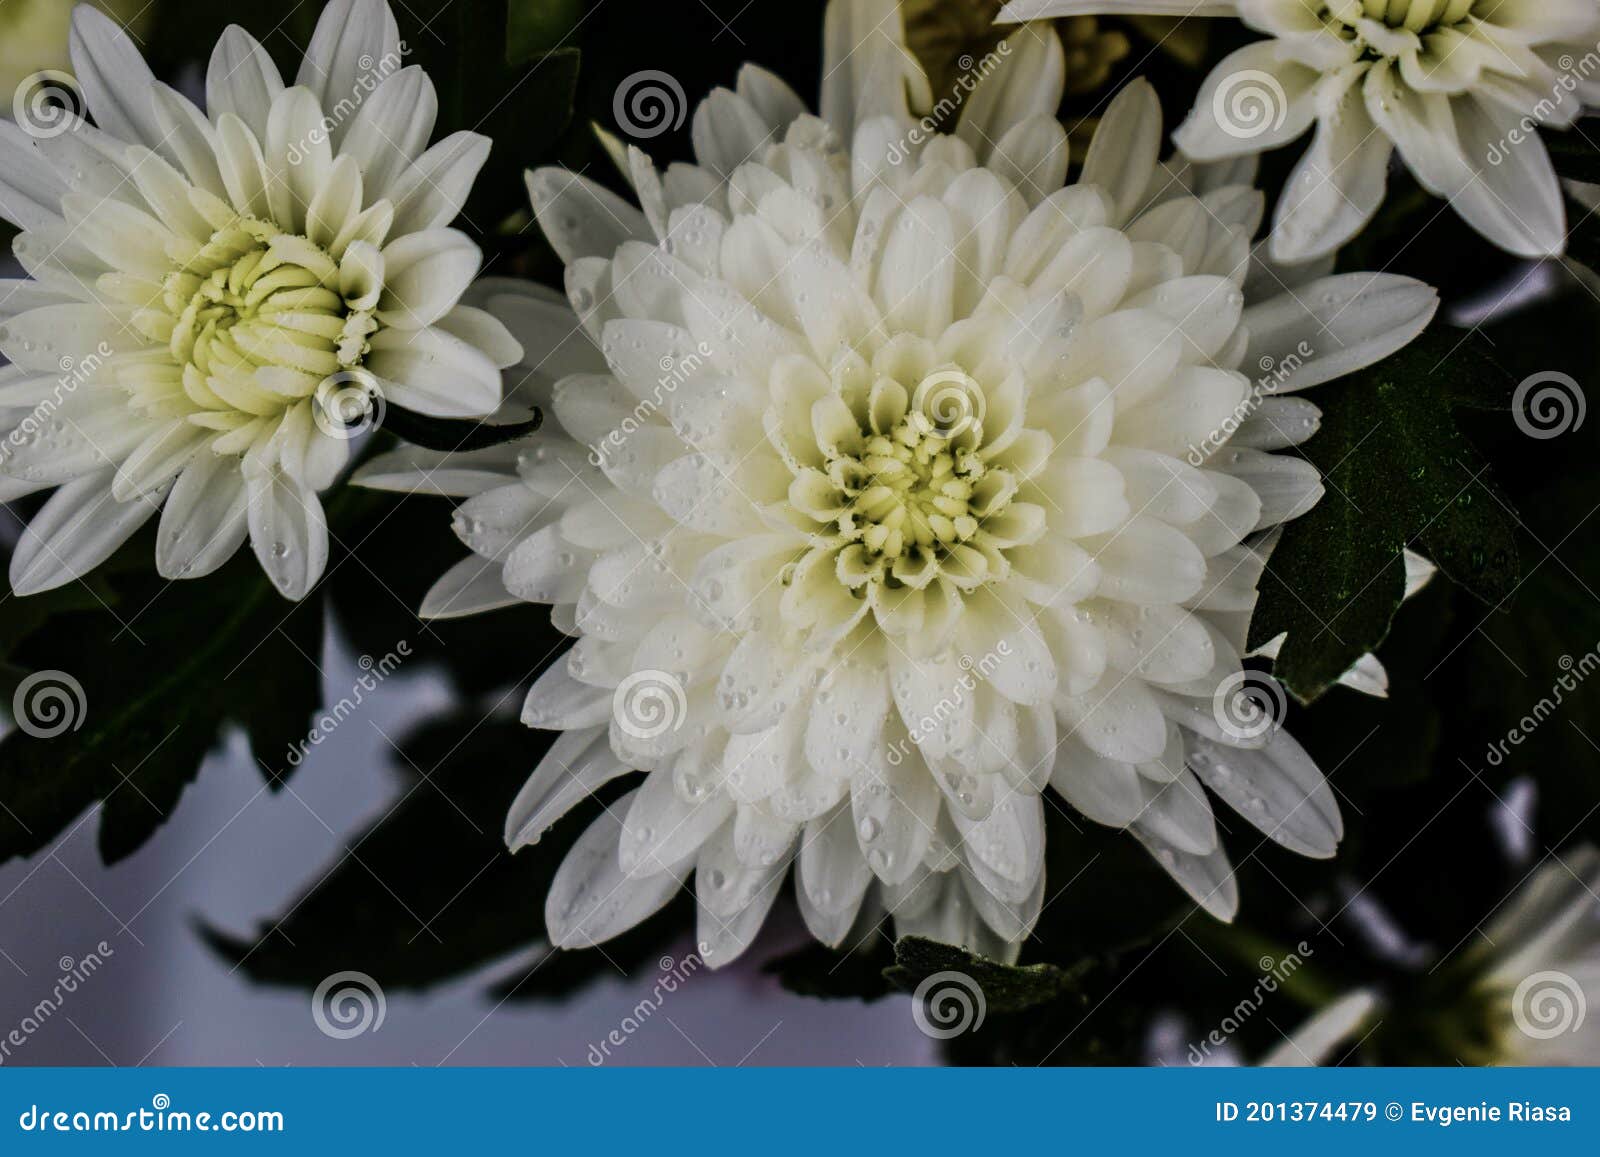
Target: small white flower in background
[[1530, 983], [1324, 1033], [902, 475], [1456, 86], [1538, 965], [217, 298]]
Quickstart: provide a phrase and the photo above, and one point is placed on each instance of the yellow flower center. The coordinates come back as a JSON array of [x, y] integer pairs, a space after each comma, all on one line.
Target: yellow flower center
[[913, 491], [254, 295], [1371, 19], [254, 298]]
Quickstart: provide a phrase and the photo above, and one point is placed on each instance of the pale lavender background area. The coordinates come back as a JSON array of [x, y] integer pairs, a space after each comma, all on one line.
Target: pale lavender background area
[[235, 854]]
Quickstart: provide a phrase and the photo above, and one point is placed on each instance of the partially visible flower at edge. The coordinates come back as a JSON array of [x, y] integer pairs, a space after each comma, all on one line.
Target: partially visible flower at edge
[[1522, 994], [215, 296], [1319, 1039], [1458, 87]]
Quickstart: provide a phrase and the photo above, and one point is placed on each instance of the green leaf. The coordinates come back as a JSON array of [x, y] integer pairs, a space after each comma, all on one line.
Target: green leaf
[[817, 970], [525, 113], [534, 27], [454, 435], [1521, 693], [21, 617], [507, 70], [1399, 474], [148, 684], [1005, 987]]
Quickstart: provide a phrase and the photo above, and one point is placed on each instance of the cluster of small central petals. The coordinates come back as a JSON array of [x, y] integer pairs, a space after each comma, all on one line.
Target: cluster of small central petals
[[1412, 15], [905, 492], [1393, 27], [254, 297]]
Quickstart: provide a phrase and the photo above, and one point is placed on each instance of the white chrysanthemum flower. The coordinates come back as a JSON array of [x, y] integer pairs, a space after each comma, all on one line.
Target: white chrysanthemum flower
[[215, 297], [899, 483], [1523, 994], [1457, 86]]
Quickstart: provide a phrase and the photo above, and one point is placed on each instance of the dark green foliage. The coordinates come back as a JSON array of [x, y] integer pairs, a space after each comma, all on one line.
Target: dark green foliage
[[1399, 474]]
